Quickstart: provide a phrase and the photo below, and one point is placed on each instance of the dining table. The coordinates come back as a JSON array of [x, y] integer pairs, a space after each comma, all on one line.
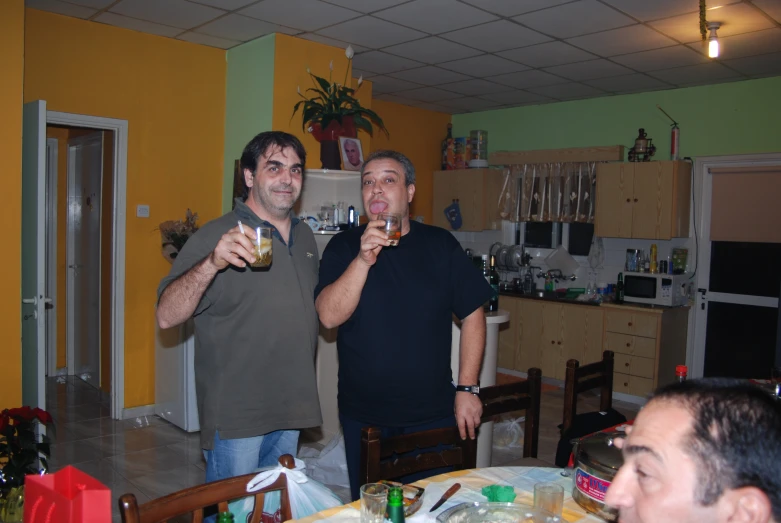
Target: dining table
[[472, 481]]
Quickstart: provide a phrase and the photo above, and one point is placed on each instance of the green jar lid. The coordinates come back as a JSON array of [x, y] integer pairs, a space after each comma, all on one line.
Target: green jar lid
[[395, 497]]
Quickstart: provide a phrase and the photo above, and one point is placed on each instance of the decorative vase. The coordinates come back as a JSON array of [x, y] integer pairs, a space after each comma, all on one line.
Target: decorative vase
[[330, 157], [12, 505]]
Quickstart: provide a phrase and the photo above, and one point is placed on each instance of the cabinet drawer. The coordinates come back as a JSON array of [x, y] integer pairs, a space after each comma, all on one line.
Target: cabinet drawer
[[634, 385], [631, 345], [634, 365], [632, 323]]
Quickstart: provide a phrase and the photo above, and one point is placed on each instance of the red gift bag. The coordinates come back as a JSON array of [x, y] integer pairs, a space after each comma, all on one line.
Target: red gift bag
[[67, 496]]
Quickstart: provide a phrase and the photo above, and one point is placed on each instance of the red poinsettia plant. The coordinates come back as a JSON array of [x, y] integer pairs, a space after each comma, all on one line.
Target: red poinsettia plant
[[21, 452]]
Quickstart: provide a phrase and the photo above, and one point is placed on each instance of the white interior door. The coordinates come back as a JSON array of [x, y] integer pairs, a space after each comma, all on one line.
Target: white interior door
[[34, 254], [85, 166], [737, 313], [51, 257]]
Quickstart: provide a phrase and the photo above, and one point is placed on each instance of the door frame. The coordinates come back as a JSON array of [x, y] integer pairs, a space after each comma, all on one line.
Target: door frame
[[52, 171], [703, 189], [119, 220]]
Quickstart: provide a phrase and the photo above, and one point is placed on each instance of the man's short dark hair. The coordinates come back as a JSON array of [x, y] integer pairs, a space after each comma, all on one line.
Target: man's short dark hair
[[261, 144], [736, 436], [406, 164]]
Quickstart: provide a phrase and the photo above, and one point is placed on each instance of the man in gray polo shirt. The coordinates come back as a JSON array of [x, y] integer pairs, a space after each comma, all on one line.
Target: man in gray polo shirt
[[255, 330]]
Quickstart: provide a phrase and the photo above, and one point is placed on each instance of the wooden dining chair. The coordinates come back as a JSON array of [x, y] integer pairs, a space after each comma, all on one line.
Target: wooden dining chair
[[597, 375], [511, 397], [378, 461], [193, 500]]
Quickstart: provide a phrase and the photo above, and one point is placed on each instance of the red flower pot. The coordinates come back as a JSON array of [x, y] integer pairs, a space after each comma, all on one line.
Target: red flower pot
[[330, 156]]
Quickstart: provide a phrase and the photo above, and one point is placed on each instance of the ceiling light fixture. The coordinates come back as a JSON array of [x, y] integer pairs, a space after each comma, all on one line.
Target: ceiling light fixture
[[713, 40]]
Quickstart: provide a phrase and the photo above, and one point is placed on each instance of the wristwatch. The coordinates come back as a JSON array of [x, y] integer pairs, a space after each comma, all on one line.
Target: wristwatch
[[473, 389]]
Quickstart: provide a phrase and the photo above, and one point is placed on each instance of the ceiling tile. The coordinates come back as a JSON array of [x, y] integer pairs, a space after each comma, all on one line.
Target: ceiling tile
[[176, 13], [228, 5], [570, 91], [665, 58], [577, 18], [526, 79], [429, 75], [761, 65], [395, 99], [371, 32], [483, 65], [547, 55], [771, 7], [433, 107], [388, 84], [475, 87], [514, 7], [95, 4], [628, 83], [496, 36], [211, 41], [516, 97], [470, 104], [137, 25], [333, 42], [61, 8], [622, 41], [654, 10], [366, 6], [357, 73], [383, 63], [749, 44], [237, 27], [432, 50], [589, 70], [306, 15], [735, 18], [435, 16], [695, 74], [431, 94]]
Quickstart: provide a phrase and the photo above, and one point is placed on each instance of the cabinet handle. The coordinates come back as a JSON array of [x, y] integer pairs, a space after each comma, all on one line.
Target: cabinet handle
[[626, 364], [552, 342], [635, 200], [626, 384], [628, 344], [559, 343], [630, 323], [628, 200]]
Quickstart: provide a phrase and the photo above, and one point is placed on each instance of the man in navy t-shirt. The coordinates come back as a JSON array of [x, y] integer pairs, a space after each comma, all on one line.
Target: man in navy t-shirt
[[394, 308]]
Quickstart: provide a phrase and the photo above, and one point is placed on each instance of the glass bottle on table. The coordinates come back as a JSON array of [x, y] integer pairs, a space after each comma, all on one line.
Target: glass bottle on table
[[225, 517]]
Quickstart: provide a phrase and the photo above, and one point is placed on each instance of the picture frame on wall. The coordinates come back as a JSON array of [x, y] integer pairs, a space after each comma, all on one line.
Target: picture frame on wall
[[351, 152]]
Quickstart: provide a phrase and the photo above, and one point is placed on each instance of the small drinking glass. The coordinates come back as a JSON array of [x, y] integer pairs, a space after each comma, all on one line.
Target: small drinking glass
[[550, 497], [374, 500], [392, 226], [262, 248]]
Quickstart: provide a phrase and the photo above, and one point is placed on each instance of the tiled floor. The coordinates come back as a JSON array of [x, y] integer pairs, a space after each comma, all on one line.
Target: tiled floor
[[151, 458]]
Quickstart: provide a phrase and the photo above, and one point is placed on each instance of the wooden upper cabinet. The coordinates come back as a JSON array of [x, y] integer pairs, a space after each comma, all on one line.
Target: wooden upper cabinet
[[649, 200], [477, 192]]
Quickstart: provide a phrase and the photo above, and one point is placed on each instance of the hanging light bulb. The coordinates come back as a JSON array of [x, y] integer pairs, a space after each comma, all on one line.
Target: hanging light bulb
[[713, 40]]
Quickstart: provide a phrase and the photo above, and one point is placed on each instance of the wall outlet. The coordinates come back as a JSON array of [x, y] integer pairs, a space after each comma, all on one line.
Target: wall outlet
[[142, 211]]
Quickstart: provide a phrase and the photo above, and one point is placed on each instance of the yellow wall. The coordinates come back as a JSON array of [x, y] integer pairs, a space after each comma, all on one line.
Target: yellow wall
[[11, 78], [292, 56], [418, 133], [172, 94]]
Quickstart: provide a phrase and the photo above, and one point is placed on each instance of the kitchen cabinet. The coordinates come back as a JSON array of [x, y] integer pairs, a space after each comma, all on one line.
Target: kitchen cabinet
[[648, 344], [649, 200], [477, 192]]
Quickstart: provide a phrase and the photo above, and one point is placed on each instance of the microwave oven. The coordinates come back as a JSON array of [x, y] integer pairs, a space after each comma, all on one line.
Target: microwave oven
[[668, 290]]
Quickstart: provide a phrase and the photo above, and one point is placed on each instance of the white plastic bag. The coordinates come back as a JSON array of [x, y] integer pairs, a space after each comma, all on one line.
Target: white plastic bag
[[307, 496], [328, 466], [508, 433]]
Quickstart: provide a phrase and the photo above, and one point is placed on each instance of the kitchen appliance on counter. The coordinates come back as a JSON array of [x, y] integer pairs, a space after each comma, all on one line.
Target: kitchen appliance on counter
[[668, 290]]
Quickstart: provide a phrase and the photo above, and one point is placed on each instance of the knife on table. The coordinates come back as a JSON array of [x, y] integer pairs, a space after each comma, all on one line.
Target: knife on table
[[452, 490]]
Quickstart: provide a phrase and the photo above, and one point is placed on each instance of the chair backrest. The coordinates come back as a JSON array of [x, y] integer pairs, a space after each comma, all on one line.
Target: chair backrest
[[597, 375], [376, 451], [193, 500], [520, 395]]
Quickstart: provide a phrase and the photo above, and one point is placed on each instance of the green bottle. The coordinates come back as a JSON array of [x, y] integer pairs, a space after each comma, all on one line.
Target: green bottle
[[396, 505], [225, 517], [620, 288]]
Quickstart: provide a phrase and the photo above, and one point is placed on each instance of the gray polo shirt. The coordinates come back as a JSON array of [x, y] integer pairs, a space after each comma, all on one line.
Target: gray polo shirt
[[255, 335]]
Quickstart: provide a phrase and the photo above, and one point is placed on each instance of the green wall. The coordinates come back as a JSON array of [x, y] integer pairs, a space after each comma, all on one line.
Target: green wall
[[249, 102], [731, 118]]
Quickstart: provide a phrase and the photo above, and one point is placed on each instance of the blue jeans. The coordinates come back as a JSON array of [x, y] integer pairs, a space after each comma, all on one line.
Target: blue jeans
[[234, 457]]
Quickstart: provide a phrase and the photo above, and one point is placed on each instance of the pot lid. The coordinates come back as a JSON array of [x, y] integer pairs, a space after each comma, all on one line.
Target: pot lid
[[598, 449]]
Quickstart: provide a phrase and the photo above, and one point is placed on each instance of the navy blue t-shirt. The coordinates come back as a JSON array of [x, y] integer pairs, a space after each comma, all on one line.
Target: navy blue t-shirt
[[394, 351]]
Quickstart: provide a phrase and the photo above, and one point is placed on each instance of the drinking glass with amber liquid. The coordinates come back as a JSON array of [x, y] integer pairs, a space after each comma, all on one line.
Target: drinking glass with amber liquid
[[392, 226], [262, 248]]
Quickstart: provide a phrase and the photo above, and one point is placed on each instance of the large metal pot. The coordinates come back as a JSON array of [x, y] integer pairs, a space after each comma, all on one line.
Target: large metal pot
[[596, 462]]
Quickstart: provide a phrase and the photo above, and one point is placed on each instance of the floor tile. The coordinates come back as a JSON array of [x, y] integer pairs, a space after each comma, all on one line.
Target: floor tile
[[128, 441], [148, 462], [161, 483]]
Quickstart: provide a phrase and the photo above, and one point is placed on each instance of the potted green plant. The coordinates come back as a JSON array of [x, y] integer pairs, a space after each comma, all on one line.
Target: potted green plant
[[21, 453], [175, 233], [332, 110]]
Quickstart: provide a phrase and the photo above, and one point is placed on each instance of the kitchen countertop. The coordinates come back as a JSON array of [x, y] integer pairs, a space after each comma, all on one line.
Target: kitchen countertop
[[641, 307], [512, 294]]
